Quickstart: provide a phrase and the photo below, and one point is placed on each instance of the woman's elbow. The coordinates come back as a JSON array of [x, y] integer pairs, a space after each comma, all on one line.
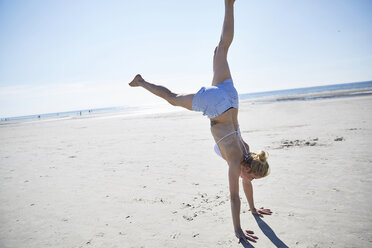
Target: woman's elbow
[[235, 198]]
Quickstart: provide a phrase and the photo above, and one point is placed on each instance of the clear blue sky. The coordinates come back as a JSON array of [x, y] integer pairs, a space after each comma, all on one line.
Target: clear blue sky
[[77, 54]]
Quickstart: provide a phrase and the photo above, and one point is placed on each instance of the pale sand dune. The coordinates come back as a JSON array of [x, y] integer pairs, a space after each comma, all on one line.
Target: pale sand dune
[[154, 180]]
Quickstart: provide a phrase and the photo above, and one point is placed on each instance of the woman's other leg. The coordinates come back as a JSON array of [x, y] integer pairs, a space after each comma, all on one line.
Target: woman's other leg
[[221, 69], [182, 100]]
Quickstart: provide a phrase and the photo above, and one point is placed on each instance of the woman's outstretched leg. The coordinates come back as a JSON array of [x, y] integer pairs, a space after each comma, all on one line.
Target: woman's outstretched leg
[[221, 70], [182, 100]]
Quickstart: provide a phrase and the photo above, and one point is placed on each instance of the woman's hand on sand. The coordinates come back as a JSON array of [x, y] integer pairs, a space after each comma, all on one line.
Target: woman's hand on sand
[[262, 211], [245, 236]]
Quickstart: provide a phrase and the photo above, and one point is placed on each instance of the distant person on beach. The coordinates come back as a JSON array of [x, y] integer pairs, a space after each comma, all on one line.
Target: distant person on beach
[[220, 103]]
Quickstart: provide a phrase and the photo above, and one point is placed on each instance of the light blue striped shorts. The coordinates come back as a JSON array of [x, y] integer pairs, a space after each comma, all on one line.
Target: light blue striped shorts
[[215, 100]]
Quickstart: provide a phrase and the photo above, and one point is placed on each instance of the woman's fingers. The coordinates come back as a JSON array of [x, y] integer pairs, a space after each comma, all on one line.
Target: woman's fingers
[[252, 238], [247, 236], [265, 211], [249, 233]]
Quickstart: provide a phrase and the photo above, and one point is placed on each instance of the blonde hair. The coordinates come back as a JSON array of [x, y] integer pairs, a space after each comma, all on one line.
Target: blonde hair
[[258, 163]]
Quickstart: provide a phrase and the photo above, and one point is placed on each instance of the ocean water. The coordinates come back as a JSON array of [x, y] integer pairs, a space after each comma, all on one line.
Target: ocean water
[[307, 93], [68, 114], [299, 94]]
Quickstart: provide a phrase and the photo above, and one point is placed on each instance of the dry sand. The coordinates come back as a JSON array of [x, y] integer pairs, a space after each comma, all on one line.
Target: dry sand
[[154, 180]]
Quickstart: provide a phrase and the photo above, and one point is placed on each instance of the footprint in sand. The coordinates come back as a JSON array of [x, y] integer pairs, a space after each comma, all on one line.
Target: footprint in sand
[[354, 128], [188, 218], [300, 143], [175, 235], [187, 205], [101, 234]]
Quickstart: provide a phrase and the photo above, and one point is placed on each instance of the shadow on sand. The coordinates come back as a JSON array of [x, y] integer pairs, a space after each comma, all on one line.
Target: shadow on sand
[[269, 233], [266, 229], [247, 245]]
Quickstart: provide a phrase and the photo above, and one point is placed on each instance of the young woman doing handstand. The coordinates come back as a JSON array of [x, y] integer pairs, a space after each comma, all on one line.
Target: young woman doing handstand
[[220, 103]]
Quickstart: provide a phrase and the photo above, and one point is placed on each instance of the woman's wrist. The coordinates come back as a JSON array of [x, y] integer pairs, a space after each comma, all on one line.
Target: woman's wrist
[[238, 232], [237, 229]]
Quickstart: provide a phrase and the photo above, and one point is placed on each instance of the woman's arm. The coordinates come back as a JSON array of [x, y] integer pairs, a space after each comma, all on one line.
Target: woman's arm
[[248, 190], [234, 173]]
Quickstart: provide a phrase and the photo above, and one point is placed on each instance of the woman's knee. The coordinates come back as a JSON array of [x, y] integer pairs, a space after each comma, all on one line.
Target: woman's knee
[[220, 53], [224, 44], [181, 100]]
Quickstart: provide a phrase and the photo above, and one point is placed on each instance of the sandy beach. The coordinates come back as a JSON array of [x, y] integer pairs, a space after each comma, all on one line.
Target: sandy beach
[[154, 180]]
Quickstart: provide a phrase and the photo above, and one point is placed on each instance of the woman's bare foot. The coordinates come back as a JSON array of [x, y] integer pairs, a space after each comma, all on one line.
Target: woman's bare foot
[[137, 81]]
